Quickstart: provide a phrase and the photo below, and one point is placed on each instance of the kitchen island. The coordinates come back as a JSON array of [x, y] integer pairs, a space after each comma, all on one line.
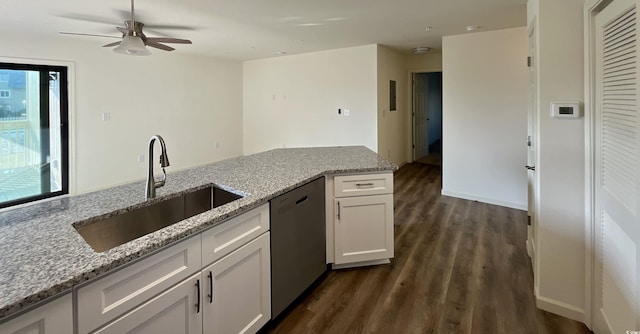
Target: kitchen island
[[43, 256]]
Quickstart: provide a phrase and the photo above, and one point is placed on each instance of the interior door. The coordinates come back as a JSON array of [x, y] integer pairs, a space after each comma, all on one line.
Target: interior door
[[617, 169], [420, 118], [531, 148]]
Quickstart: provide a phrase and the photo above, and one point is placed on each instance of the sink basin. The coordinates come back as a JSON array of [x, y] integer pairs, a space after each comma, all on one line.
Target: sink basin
[[110, 232]]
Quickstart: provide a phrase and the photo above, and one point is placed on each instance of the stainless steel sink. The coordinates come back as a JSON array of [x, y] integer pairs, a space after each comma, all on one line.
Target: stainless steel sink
[[110, 232]]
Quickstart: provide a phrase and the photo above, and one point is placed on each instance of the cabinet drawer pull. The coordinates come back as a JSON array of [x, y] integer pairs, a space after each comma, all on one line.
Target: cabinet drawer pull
[[363, 185], [338, 211], [211, 287], [198, 297]]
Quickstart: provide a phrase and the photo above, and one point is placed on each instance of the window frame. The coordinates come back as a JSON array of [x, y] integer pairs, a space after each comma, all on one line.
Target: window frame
[[65, 118]]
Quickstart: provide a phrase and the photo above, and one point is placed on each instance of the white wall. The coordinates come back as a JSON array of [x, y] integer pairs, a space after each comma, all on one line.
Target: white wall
[[560, 248], [484, 116], [424, 62], [392, 135], [293, 101], [193, 102]]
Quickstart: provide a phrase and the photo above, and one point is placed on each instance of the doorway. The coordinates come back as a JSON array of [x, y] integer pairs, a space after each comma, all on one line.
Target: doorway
[[427, 117]]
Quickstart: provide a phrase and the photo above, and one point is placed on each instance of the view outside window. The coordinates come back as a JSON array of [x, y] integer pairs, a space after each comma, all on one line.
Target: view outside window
[[33, 133]]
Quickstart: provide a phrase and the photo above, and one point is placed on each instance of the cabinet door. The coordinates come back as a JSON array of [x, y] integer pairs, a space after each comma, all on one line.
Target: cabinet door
[[53, 318], [119, 292], [177, 311], [237, 290], [363, 228]]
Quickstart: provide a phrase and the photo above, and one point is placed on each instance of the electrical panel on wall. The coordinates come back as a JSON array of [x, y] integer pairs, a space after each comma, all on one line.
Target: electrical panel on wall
[[565, 109]]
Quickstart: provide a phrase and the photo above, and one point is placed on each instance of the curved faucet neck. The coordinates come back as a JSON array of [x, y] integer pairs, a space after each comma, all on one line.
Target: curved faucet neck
[[152, 184]]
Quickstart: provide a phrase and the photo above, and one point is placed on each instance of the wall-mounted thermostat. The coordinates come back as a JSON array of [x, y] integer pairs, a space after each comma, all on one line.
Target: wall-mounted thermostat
[[566, 109]]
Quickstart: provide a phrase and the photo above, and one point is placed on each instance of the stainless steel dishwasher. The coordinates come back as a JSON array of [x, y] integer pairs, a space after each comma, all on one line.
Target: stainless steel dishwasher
[[298, 243]]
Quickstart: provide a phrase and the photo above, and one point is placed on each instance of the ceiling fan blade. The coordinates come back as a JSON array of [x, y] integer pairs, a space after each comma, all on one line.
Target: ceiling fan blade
[[88, 18], [122, 30], [159, 46], [111, 44], [90, 35], [168, 40], [168, 27]]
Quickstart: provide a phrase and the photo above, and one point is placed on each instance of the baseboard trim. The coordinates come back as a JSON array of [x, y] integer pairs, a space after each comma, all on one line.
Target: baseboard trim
[[560, 308], [512, 205], [360, 264]]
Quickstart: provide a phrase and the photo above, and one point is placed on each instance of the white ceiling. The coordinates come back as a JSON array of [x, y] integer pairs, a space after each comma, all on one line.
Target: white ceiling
[[252, 29]]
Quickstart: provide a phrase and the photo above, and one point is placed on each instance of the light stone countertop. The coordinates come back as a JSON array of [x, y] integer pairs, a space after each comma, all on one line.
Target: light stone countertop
[[42, 255]]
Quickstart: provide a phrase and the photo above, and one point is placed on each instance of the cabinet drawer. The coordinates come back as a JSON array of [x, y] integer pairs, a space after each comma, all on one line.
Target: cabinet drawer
[[362, 185], [121, 291], [228, 236]]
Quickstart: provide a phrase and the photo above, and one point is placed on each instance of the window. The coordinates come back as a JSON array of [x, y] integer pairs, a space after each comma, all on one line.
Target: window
[[34, 140]]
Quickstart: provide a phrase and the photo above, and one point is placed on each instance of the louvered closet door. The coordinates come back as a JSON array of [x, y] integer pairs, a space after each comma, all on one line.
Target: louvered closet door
[[617, 166]]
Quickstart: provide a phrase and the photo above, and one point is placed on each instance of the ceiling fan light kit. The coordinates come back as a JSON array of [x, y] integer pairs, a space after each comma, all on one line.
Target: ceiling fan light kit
[[132, 46]]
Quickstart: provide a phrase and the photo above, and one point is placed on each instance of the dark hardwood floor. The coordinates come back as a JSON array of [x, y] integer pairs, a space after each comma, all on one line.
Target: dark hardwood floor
[[460, 267]]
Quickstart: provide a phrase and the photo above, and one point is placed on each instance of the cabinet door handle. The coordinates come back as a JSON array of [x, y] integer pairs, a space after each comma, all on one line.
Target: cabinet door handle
[[211, 287], [198, 297], [362, 185], [338, 211]]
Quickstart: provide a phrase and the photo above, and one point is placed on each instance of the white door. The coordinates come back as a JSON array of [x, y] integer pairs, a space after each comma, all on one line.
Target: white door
[[177, 311], [237, 291], [617, 169], [420, 118], [531, 148], [364, 228]]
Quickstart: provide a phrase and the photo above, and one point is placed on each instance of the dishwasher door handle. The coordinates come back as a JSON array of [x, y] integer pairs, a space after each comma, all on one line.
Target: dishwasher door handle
[[302, 200]]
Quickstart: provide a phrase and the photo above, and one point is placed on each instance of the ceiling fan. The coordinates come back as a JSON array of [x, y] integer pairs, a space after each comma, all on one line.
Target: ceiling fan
[[133, 41]]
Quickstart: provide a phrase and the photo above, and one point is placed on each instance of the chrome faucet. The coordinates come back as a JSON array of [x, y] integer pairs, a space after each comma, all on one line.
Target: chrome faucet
[[152, 184]]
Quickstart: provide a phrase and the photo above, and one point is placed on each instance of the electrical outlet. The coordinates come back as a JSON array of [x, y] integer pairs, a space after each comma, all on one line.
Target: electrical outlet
[[140, 157], [346, 112], [106, 116]]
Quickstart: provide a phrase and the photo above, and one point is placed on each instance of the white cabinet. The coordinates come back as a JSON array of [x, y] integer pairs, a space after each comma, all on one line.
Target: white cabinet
[[363, 218], [237, 297], [170, 292], [55, 317], [237, 231], [117, 293], [176, 311]]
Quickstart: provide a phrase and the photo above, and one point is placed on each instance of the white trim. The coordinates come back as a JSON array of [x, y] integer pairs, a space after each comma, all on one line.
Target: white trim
[[360, 264], [560, 308], [591, 8], [410, 74], [71, 77], [493, 201]]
